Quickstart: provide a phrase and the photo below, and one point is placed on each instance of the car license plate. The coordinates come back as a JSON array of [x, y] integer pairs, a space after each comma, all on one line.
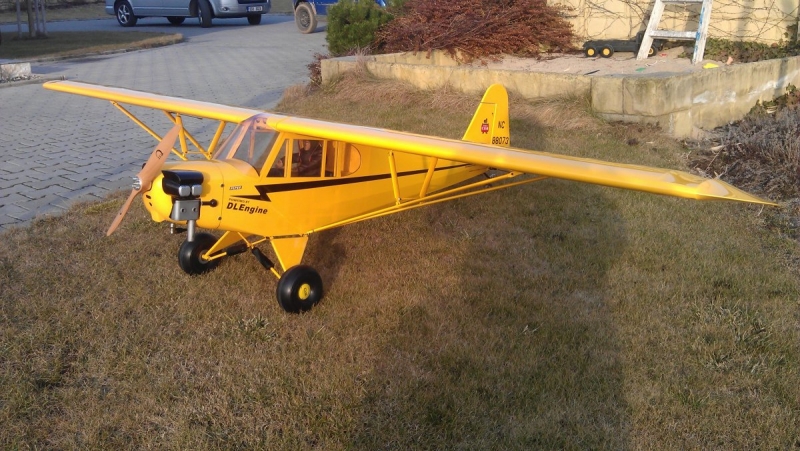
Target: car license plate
[[252, 9]]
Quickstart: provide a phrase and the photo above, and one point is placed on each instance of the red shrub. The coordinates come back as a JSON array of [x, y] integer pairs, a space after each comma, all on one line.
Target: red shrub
[[478, 29]]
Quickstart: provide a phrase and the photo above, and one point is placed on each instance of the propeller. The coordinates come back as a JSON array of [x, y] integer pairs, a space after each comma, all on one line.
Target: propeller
[[144, 179]]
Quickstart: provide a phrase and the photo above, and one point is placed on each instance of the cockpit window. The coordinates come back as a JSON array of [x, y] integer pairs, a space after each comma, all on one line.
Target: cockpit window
[[250, 142]]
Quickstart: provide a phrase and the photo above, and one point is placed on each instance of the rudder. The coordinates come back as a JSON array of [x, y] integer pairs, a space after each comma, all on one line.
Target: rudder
[[490, 125]]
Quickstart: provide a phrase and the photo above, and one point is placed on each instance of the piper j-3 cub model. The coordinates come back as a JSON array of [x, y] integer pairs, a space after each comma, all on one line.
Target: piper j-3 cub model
[[277, 179]]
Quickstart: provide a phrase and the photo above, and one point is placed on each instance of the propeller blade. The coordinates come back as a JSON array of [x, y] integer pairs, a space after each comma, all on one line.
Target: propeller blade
[[153, 165], [148, 173], [122, 211]]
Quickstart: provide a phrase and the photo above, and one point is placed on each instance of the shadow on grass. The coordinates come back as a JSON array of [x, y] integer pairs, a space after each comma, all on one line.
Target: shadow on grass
[[513, 346]]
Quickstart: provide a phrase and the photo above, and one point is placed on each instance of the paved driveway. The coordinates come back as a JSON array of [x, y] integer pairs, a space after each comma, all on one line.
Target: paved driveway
[[57, 149]]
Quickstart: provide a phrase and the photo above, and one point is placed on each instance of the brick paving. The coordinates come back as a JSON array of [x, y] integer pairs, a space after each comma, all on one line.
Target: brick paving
[[58, 149]]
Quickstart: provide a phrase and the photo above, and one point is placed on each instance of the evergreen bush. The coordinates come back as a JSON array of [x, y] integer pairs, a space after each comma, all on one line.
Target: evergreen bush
[[352, 25]]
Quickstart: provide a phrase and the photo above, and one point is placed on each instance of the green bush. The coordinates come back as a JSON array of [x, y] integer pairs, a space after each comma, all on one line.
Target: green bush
[[352, 25]]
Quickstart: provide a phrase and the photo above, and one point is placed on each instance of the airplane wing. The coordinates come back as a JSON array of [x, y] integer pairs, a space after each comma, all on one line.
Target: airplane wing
[[187, 107], [639, 178]]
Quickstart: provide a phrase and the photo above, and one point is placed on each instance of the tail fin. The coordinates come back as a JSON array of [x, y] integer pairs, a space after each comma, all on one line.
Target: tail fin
[[490, 123]]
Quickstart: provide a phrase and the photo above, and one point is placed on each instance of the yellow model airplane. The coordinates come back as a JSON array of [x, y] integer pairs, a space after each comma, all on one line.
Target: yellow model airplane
[[278, 179]]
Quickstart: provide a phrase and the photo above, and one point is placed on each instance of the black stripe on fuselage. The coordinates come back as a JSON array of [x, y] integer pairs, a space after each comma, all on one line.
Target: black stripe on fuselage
[[265, 190]]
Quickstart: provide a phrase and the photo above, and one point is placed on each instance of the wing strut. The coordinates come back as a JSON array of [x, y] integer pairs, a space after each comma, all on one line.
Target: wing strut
[[437, 198]]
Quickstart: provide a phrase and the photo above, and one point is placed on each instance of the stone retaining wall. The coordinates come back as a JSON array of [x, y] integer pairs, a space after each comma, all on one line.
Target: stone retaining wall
[[682, 104]]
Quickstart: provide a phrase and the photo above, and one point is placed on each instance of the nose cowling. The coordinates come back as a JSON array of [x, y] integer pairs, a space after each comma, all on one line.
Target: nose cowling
[[187, 191], [182, 184], [175, 195]]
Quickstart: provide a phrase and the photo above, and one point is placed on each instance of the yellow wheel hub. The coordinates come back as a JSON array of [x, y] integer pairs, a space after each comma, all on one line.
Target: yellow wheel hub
[[304, 292]]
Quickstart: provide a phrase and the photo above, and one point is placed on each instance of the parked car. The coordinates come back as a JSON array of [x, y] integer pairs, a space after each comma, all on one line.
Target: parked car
[[176, 11], [306, 12]]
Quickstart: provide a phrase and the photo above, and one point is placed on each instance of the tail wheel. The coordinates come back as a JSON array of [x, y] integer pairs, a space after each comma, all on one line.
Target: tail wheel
[[606, 51], [590, 52], [299, 289], [190, 255], [305, 18]]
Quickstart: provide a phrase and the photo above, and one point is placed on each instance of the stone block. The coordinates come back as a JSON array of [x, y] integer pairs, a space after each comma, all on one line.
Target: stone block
[[607, 94], [10, 71]]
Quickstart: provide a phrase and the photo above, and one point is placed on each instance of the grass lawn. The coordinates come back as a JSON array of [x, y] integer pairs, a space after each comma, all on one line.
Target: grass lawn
[[555, 315], [79, 12], [78, 43]]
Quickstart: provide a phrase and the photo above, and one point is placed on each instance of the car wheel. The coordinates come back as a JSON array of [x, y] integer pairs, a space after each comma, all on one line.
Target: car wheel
[[254, 20], [305, 19], [174, 20], [125, 15], [590, 52], [607, 51], [205, 14]]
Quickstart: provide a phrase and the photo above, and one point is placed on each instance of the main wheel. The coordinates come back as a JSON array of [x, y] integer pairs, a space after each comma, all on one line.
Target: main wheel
[[590, 52], [299, 289], [190, 254], [606, 51], [175, 20], [125, 15], [254, 19], [305, 19], [206, 13]]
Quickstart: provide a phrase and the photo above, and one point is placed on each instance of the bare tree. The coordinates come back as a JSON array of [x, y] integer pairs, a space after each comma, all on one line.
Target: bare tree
[[36, 18]]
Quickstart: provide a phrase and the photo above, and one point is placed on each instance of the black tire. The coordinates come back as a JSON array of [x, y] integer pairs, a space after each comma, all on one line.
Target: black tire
[[175, 20], [590, 52], [299, 289], [189, 254], [255, 19], [606, 51], [305, 18], [206, 14], [651, 52], [125, 15]]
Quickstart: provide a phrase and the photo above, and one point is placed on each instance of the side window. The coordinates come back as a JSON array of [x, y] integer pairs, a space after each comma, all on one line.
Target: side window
[[315, 158], [278, 168], [308, 159], [350, 159]]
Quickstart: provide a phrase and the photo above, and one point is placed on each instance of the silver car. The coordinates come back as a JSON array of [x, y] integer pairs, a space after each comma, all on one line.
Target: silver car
[[176, 11]]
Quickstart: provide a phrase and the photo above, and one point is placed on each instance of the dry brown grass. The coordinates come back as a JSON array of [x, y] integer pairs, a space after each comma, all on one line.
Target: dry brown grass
[[551, 316], [71, 44]]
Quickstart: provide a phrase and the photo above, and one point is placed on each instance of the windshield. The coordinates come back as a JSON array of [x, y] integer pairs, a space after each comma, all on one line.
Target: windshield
[[250, 142]]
